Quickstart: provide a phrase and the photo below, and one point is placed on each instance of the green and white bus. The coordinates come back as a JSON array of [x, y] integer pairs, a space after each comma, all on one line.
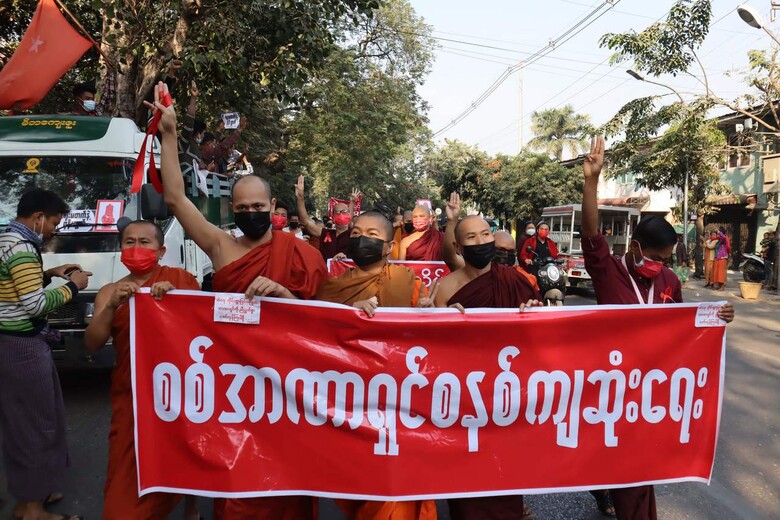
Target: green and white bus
[[86, 160]]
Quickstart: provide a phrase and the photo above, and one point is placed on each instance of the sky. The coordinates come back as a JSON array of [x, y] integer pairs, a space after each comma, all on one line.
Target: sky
[[576, 72]]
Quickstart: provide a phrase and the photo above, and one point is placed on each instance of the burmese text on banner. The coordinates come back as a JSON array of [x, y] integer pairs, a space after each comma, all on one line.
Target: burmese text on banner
[[428, 272], [319, 399]]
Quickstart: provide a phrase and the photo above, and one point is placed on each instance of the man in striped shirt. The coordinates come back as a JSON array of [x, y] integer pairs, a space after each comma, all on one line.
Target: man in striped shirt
[[32, 414]]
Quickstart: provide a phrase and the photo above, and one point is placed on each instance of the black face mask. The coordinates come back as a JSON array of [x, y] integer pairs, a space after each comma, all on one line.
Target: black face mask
[[505, 257], [408, 227], [479, 256], [253, 224], [294, 225], [365, 250]]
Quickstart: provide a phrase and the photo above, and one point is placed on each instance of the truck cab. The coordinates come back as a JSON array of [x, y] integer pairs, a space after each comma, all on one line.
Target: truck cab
[[616, 223], [87, 160]]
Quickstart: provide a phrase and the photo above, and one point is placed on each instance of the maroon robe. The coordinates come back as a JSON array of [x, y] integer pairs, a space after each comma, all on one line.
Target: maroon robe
[[427, 248], [613, 286], [501, 287], [333, 243]]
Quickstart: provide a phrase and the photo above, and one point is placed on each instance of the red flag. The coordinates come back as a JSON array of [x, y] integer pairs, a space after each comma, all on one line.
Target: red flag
[[49, 48]]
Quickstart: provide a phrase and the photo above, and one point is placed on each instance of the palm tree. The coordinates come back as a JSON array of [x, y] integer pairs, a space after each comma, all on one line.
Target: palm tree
[[559, 129]]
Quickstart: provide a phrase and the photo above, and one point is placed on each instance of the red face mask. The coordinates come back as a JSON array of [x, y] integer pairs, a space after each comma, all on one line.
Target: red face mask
[[544, 233], [647, 268], [278, 222], [139, 260], [420, 223], [342, 219]]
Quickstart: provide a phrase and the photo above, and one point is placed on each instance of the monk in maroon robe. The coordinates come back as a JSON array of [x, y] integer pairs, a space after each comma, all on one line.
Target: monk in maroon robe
[[259, 263], [639, 277], [425, 244], [484, 283]]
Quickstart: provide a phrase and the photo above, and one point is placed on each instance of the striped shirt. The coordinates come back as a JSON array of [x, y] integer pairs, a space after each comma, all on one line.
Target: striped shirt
[[24, 303]]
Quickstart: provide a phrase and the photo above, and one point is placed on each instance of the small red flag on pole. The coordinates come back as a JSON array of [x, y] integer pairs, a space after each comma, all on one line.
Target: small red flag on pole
[[49, 47]]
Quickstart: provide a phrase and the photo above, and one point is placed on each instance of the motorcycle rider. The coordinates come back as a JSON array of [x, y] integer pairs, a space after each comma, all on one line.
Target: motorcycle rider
[[542, 247]]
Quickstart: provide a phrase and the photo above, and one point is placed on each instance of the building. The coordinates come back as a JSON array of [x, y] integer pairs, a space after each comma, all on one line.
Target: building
[[751, 173], [625, 190]]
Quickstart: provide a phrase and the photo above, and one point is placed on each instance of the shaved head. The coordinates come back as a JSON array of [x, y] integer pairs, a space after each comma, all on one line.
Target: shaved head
[[375, 220], [504, 240], [408, 215], [151, 226], [251, 182], [423, 209], [469, 225]]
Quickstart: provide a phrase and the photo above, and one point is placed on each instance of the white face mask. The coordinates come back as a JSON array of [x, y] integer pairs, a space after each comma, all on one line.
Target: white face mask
[[530, 232], [39, 235], [89, 105]]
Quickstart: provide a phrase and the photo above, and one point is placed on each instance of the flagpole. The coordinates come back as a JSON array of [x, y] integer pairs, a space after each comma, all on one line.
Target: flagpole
[[109, 64]]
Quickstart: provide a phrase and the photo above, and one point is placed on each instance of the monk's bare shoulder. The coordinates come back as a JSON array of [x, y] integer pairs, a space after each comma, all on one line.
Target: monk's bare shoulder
[[448, 286]]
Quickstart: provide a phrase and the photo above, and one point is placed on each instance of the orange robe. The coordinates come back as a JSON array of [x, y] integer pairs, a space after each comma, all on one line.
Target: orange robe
[[528, 276], [399, 235], [300, 269], [121, 491], [395, 286], [285, 260], [427, 248]]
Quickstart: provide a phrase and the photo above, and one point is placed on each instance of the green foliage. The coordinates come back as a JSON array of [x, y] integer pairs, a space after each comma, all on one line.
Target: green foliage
[[364, 124], [689, 143], [666, 47], [240, 53], [559, 129], [659, 145], [504, 186]]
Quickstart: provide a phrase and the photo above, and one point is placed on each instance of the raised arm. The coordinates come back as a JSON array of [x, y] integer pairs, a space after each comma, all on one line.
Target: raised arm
[[208, 236], [592, 166], [353, 197], [451, 257], [309, 225]]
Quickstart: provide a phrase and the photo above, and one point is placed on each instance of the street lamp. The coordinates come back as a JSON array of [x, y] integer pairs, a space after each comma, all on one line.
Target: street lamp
[[751, 17], [634, 74], [640, 77]]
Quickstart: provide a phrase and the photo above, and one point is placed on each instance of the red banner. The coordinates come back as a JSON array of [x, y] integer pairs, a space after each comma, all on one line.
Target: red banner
[[333, 201], [50, 46], [318, 399], [428, 272]]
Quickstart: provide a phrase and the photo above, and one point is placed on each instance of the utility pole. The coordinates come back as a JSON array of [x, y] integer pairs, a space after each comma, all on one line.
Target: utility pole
[[520, 115]]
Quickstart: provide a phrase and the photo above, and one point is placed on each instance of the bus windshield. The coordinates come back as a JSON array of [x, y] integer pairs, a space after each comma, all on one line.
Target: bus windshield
[[80, 181]]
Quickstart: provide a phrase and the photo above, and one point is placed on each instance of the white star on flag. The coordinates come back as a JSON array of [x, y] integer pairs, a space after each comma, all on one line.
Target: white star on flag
[[37, 43]]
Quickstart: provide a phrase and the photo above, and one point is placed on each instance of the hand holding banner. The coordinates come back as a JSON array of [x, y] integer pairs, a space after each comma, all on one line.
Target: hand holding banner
[[526, 402]]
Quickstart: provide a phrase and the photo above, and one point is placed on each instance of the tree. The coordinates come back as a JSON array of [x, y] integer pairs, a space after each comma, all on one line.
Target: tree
[[364, 123], [241, 52], [559, 129], [690, 143], [504, 186]]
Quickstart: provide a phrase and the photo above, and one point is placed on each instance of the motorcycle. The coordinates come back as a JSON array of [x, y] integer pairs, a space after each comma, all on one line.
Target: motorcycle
[[752, 267], [551, 279]]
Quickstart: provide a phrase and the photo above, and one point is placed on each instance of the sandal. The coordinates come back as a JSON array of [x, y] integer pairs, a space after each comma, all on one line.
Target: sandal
[[604, 502], [528, 514]]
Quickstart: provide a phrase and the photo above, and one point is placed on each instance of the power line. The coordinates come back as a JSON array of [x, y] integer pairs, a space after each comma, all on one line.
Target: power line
[[580, 26], [512, 126]]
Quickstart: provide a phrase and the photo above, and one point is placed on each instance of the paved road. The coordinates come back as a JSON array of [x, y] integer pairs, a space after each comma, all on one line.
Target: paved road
[[747, 471]]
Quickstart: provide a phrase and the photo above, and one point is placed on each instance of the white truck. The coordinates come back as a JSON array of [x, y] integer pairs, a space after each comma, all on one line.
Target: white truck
[[86, 160], [616, 223]]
